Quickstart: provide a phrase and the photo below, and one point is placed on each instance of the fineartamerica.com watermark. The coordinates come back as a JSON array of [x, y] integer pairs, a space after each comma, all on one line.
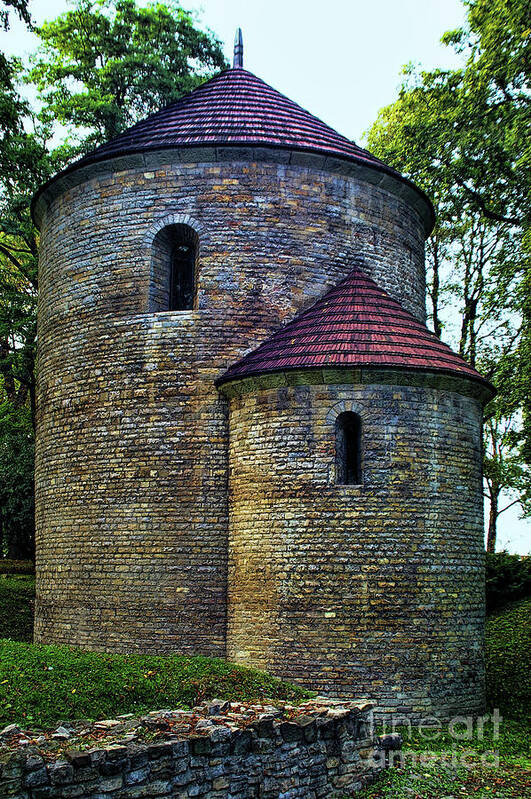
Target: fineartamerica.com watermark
[[467, 758], [446, 743]]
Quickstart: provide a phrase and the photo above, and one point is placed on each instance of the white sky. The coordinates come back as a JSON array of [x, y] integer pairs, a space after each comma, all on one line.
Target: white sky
[[340, 59]]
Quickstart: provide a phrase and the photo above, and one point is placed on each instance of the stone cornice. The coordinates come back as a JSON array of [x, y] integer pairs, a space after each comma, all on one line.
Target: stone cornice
[[363, 376], [75, 175]]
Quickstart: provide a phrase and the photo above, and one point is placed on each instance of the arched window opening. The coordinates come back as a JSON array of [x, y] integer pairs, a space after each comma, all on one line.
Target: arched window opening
[[348, 449], [174, 266], [182, 276]]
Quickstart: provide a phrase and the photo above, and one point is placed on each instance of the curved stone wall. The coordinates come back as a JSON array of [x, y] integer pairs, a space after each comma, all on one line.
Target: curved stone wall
[[131, 470], [374, 590]]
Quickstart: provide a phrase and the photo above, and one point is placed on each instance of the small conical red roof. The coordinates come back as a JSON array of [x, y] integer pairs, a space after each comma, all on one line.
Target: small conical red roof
[[355, 324], [235, 107]]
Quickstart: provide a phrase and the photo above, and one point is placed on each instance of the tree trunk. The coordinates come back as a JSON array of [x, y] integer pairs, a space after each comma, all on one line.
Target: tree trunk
[[473, 315], [493, 521], [435, 290]]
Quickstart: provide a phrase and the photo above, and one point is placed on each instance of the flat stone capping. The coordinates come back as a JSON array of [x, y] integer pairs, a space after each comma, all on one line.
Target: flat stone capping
[[323, 748], [152, 159], [349, 375]]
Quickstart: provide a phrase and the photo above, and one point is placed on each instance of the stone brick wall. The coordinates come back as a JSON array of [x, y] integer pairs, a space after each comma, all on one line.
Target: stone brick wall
[[131, 466], [326, 756], [374, 590]]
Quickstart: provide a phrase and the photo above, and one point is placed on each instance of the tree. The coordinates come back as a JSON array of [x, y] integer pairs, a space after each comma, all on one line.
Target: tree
[[502, 468], [102, 65], [489, 142], [21, 9], [460, 135], [108, 63], [505, 462], [24, 164]]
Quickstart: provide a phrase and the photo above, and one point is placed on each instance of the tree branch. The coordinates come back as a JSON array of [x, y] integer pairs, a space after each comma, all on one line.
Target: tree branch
[[480, 202], [516, 501]]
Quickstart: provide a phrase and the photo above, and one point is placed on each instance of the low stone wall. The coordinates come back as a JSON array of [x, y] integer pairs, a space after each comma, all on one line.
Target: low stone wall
[[317, 750]]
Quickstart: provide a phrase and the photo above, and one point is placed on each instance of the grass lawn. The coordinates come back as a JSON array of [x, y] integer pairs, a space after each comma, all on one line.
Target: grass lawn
[[39, 685], [495, 767]]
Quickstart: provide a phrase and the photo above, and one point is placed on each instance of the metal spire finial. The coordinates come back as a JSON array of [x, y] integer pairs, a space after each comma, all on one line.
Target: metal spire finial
[[238, 50]]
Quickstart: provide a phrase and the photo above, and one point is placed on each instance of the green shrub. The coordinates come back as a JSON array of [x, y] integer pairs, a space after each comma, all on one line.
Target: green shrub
[[41, 685], [508, 578], [17, 592], [507, 658]]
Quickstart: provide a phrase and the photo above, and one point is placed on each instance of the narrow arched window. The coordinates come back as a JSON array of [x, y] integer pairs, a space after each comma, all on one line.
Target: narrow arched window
[[348, 448], [174, 267]]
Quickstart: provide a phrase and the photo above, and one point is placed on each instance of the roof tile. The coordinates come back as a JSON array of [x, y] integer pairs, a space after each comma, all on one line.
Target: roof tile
[[236, 108], [355, 324], [239, 108]]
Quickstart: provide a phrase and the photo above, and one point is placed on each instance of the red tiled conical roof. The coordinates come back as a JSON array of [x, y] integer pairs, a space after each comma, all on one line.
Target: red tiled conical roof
[[235, 107], [355, 324]]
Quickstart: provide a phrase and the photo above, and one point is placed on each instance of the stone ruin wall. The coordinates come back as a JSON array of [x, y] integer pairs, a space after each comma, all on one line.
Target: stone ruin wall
[[374, 590], [131, 465], [323, 755]]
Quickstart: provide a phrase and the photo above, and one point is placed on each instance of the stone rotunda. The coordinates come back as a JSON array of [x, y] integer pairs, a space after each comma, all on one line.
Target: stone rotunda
[[249, 444]]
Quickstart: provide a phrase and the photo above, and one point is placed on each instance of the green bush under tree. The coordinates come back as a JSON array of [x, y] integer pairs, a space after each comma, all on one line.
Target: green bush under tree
[[17, 594], [17, 506], [507, 659], [508, 578]]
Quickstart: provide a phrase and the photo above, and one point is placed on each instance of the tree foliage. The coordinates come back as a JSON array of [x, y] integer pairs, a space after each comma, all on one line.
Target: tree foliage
[[489, 151], [20, 7], [102, 66], [24, 164], [461, 135], [106, 64]]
